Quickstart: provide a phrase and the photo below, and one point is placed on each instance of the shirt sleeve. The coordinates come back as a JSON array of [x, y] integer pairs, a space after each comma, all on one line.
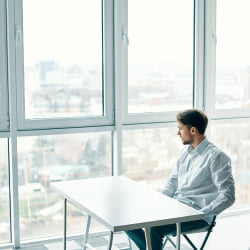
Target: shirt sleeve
[[221, 172], [171, 185]]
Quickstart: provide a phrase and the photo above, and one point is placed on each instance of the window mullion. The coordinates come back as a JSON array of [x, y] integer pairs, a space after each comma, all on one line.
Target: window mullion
[[120, 69], [199, 16], [210, 56], [12, 9], [4, 119], [108, 59]]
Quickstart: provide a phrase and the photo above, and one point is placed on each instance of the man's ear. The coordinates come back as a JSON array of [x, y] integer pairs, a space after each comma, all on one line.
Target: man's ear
[[193, 130]]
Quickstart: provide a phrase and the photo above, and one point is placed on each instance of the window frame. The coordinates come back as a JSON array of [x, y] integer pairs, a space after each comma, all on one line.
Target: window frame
[[107, 66], [116, 118], [122, 46], [210, 67], [4, 116]]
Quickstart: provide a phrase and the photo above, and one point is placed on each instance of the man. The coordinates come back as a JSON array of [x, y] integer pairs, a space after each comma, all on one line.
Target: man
[[202, 179]]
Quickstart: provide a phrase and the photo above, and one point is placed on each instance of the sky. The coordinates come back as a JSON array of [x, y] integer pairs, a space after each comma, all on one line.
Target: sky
[[62, 31], [158, 29]]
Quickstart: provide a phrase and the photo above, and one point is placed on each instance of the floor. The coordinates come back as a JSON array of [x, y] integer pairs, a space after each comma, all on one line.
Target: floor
[[230, 233]]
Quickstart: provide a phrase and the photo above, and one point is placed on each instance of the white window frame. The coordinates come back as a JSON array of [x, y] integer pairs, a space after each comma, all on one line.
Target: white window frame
[[116, 119], [107, 118], [122, 47], [210, 67], [210, 57], [199, 54], [4, 117]]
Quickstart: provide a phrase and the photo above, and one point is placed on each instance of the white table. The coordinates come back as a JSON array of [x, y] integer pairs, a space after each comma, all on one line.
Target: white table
[[122, 204]]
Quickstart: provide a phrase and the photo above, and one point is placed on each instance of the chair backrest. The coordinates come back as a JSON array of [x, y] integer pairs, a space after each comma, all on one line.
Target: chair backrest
[[213, 223]]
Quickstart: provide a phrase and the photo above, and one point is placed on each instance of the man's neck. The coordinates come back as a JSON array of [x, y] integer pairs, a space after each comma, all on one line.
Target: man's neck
[[197, 140]]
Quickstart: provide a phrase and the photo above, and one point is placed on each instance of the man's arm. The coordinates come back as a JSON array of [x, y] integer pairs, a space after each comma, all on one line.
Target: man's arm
[[221, 172], [171, 184]]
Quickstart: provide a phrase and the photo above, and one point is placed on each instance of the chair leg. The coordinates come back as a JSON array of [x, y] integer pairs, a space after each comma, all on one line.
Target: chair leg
[[190, 242], [129, 243], [167, 238], [205, 240]]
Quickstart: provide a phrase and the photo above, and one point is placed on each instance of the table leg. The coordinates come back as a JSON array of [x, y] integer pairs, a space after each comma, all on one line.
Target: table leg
[[148, 240], [65, 225], [110, 240], [86, 233], [178, 236]]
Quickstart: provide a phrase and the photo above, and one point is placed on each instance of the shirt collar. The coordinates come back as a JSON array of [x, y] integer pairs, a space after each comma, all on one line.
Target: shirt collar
[[200, 148]]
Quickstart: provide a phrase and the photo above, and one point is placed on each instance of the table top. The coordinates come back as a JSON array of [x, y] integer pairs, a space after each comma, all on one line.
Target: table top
[[122, 204]]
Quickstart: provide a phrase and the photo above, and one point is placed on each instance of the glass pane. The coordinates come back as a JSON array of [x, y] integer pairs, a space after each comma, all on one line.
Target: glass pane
[[237, 146], [62, 58], [150, 155], [232, 54], [44, 159], [4, 193], [160, 56]]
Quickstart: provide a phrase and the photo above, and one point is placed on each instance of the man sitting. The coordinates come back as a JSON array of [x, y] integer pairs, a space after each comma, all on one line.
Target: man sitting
[[202, 179]]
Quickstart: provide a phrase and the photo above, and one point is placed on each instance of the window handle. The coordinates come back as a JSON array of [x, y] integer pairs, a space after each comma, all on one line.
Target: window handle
[[125, 36], [215, 38], [18, 35]]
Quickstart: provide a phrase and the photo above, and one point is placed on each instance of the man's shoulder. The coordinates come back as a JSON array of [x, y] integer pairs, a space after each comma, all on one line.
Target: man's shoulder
[[216, 151]]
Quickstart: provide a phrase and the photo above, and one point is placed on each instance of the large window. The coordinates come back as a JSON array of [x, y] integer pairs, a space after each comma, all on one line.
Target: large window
[[91, 88], [61, 70], [160, 55], [44, 159], [237, 146], [149, 155], [62, 58], [232, 90], [232, 55]]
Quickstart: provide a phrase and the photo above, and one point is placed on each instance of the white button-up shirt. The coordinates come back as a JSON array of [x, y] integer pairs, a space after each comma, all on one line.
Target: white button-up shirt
[[203, 179]]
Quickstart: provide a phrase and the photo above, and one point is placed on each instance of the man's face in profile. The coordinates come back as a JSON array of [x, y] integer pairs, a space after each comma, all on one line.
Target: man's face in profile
[[185, 133]]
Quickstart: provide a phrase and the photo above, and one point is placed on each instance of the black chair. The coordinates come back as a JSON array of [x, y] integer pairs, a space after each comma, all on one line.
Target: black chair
[[207, 229]]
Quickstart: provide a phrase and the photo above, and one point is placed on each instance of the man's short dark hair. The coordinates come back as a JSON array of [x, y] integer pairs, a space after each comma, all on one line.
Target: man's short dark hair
[[193, 118]]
